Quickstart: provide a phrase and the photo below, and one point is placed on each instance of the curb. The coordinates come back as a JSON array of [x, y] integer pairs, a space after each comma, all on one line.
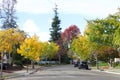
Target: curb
[[107, 71], [14, 75], [112, 72]]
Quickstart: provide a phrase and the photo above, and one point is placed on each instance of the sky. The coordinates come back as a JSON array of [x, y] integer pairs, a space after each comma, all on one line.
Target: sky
[[35, 16]]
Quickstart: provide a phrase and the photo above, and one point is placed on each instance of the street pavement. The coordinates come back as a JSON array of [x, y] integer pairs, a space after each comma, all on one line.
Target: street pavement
[[64, 72]]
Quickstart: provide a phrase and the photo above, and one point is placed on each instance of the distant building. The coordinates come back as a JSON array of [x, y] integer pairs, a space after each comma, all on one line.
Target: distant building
[[116, 59]]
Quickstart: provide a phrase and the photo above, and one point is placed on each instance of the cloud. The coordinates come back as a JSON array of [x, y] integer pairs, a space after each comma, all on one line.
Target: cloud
[[34, 6], [44, 36], [31, 28], [89, 7]]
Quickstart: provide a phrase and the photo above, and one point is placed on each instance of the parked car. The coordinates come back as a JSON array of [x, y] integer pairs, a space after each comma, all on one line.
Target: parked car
[[5, 66], [76, 63], [83, 65]]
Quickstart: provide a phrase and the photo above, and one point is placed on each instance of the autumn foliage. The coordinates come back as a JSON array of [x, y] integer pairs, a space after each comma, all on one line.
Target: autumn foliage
[[34, 49], [10, 38], [30, 48], [70, 33]]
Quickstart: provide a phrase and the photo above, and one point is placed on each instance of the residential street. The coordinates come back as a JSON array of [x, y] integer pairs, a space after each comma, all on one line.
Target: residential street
[[67, 72]]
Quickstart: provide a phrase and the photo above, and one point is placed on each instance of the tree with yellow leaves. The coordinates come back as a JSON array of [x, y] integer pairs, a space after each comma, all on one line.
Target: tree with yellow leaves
[[116, 38], [9, 38], [49, 50], [52, 49], [31, 48], [14, 37], [80, 46]]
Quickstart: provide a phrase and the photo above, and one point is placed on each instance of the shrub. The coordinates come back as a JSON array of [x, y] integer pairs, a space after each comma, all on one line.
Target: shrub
[[18, 63], [115, 64]]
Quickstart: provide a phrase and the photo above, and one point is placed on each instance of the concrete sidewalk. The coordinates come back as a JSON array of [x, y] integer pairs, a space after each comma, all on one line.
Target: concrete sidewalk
[[19, 73], [113, 71], [110, 70]]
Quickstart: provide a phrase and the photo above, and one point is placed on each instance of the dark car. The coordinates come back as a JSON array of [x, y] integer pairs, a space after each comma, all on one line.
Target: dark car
[[76, 63], [5, 66], [83, 65]]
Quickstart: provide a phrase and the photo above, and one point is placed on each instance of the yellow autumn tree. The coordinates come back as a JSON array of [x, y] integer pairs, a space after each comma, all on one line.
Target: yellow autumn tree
[[9, 39], [116, 38], [31, 48], [52, 49], [49, 50], [80, 46], [16, 36], [4, 41]]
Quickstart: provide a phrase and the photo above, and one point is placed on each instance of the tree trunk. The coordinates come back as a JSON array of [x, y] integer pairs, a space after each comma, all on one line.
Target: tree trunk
[[13, 52], [9, 58], [59, 59], [97, 66], [110, 63], [46, 61], [32, 63], [1, 63], [96, 57]]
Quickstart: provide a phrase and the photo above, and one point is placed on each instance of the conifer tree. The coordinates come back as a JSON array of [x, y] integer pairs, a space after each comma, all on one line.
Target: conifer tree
[[55, 31]]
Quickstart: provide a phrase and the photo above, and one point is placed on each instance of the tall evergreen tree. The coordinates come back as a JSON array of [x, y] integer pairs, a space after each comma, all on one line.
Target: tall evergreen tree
[[55, 30], [7, 14]]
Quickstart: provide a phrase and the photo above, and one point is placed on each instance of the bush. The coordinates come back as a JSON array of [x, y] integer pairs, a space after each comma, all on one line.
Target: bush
[[102, 63], [65, 59], [18, 63], [116, 64]]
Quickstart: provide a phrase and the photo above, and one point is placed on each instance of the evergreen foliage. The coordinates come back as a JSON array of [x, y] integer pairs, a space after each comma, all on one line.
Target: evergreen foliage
[[55, 30]]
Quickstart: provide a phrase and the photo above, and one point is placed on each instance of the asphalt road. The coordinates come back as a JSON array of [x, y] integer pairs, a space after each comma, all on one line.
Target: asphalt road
[[68, 72]]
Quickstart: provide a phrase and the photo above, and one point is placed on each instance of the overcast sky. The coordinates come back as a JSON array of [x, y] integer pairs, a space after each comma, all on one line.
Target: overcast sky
[[35, 16]]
